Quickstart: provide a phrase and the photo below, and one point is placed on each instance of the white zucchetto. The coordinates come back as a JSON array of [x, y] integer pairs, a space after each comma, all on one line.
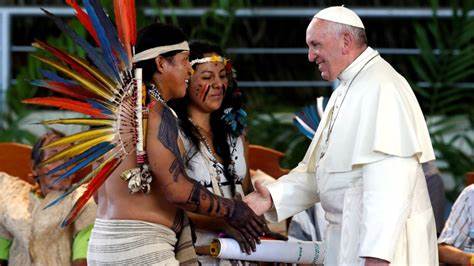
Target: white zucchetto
[[340, 14]]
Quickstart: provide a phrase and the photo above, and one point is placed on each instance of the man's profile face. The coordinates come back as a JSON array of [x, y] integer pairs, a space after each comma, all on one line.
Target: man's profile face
[[178, 72], [324, 48]]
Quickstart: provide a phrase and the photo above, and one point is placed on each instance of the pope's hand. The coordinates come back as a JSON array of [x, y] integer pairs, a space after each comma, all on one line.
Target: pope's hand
[[260, 201]]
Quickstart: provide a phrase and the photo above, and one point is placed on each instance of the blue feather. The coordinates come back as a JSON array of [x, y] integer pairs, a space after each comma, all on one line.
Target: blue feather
[[110, 31], [65, 194], [325, 102], [310, 117], [85, 162], [313, 118], [55, 77], [242, 112], [96, 58], [77, 158], [95, 104], [38, 83], [102, 35], [61, 197], [303, 130]]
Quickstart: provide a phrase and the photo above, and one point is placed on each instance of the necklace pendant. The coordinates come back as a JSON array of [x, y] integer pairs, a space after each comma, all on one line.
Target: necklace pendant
[[138, 179]]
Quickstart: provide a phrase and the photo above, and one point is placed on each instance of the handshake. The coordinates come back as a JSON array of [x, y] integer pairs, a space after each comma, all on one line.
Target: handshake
[[245, 224]]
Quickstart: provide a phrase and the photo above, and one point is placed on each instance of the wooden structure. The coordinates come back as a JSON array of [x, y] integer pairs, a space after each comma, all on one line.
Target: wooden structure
[[15, 159], [267, 160], [469, 178]]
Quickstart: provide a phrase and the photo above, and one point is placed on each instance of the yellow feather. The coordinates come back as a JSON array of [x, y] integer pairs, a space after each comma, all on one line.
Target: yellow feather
[[84, 82], [111, 106], [77, 149], [80, 121], [80, 137], [110, 85]]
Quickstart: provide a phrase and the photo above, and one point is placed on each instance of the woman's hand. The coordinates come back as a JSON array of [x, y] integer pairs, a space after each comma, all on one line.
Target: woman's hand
[[246, 245], [249, 226]]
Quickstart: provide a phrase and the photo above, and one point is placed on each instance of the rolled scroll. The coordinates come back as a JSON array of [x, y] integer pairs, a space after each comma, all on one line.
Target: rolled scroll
[[305, 252]]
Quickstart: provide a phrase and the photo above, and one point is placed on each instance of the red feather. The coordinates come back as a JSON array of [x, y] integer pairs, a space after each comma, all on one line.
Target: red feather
[[61, 55], [67, 104], [92, 187], [122, 20], [132, 18], [84, 19], [73, 91], [118, 20]]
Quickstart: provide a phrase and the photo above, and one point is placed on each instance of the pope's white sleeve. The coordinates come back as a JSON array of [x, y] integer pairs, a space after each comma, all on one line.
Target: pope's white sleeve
[[292, 193], [388, 186]]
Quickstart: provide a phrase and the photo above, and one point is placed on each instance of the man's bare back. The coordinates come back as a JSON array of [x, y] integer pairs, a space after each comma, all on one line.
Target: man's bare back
[[116, 202]]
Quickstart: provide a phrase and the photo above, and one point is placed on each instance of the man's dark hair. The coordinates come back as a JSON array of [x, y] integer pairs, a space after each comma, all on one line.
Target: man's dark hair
[[155, 35]]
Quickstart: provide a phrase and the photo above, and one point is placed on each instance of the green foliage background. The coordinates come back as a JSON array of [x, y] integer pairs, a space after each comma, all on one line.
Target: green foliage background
[[447, 59]]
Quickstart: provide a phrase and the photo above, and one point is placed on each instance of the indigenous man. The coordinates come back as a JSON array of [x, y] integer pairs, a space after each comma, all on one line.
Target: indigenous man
[[139, 229], [364, 163]]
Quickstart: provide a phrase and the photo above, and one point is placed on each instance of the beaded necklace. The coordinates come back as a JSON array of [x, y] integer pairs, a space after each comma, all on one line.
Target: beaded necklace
[[215, 163]]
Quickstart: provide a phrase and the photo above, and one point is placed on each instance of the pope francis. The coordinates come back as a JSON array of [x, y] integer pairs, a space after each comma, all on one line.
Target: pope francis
[[364, 163]]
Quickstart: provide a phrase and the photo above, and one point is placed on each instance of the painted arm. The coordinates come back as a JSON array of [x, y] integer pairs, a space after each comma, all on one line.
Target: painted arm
[[166, 165]]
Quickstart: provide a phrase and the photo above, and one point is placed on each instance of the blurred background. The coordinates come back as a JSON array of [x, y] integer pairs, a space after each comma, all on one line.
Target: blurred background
[[431, 43]]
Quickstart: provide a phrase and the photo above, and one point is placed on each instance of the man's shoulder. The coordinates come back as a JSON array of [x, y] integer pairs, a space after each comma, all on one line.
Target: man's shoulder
[[155, 111]]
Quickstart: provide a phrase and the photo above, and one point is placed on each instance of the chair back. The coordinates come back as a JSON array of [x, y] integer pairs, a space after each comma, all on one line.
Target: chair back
[[469, 178], [267, 160], [15, 160]]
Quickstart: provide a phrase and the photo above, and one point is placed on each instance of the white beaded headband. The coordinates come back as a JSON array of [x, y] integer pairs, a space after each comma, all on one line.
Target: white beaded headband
[[214, 58], [154, 52]]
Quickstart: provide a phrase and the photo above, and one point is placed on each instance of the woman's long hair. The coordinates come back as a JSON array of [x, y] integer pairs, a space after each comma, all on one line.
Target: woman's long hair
[[220, 132]]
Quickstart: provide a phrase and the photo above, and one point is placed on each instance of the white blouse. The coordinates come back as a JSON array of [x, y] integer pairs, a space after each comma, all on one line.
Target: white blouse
[[200, 167]]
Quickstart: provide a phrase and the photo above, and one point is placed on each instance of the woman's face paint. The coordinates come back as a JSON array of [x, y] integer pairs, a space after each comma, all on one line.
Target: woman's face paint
[[208, 86], [205, 90]]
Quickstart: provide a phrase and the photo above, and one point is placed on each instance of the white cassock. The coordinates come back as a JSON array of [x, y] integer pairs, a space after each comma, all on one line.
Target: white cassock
[[367, 174]]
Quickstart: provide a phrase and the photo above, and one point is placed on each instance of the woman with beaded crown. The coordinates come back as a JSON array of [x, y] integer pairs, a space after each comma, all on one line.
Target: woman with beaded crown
[[212, 127]]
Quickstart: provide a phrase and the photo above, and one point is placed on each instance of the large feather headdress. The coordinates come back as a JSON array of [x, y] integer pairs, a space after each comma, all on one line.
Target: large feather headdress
[[106, 91]]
